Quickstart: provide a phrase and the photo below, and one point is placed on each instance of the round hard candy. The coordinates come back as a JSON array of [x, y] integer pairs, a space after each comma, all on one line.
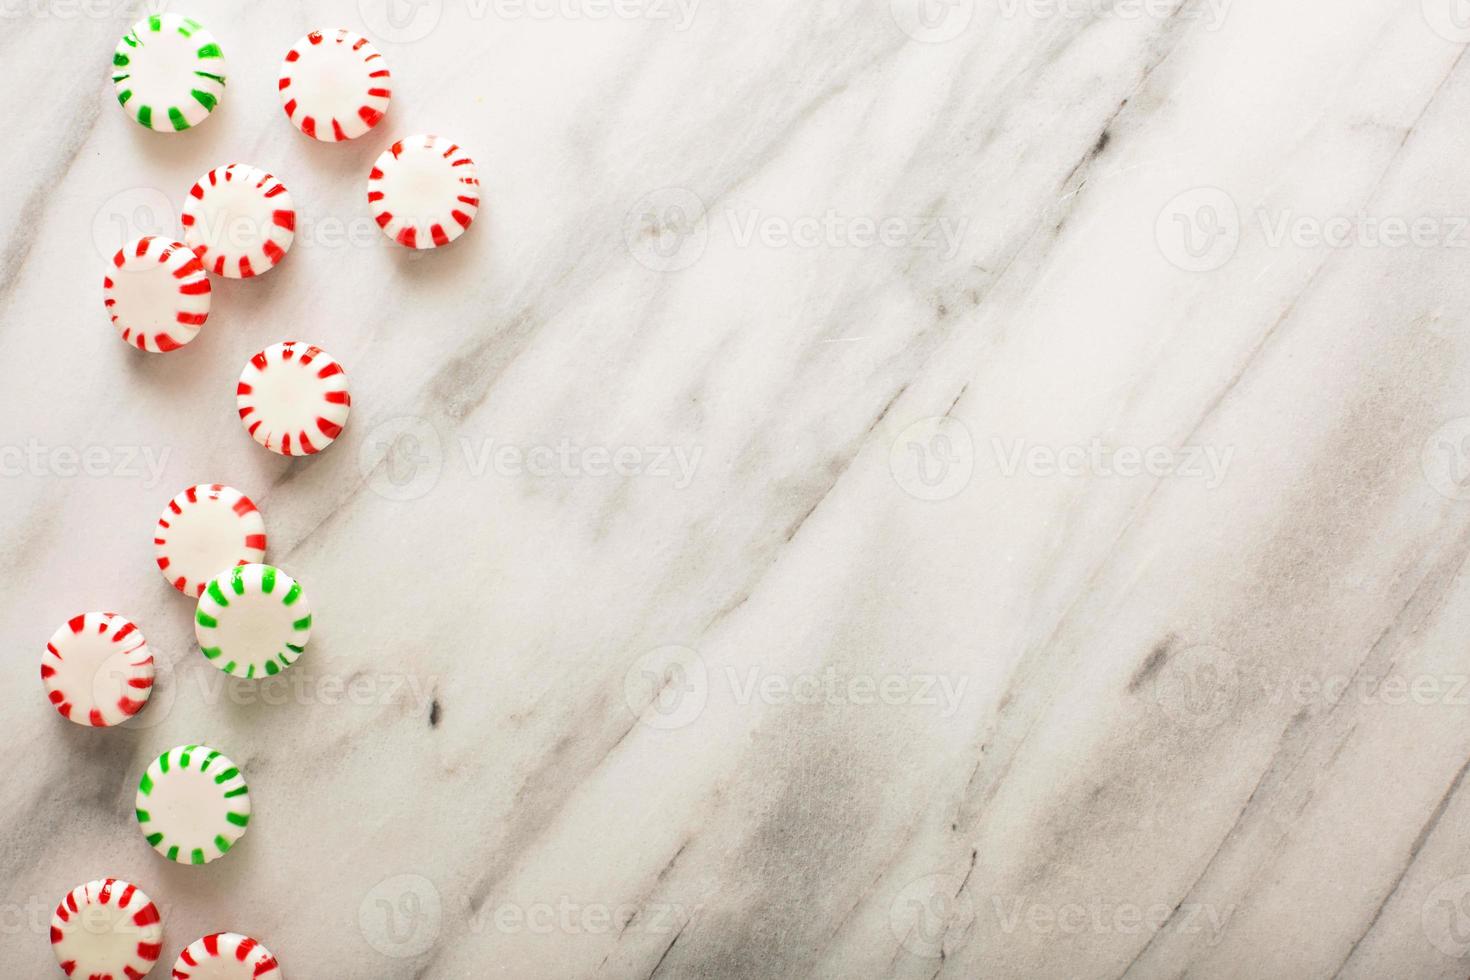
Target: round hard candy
[[203, 530], [97, 669], [424, 191], [334, 85], [293, 398], [106, 928], [169, 72], [156, 293], [193, 804], [226, 956], [239, 220], [253, 621]]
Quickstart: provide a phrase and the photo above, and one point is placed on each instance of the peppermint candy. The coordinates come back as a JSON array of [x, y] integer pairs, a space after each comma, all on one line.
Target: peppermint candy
[[156, 293], [424, 191], [226, 956], [293, 399], [334, 85], [106, 928], [253, 621], [204, 529], [193, 804], [169, 73], [239, 220], [97, 669]]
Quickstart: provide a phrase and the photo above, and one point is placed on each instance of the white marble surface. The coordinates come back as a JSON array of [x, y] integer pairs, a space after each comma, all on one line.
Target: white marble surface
[[1050, 547]]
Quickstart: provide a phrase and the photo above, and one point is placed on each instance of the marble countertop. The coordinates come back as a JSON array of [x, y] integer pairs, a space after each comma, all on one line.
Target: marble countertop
[[921, 489]]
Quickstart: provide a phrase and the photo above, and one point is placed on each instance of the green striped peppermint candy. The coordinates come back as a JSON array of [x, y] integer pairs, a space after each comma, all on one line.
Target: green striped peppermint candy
[[193, 804], [252, 621], [169, 73]]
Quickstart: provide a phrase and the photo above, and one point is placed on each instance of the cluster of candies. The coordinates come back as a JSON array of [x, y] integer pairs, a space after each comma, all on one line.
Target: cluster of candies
[[252, 619]]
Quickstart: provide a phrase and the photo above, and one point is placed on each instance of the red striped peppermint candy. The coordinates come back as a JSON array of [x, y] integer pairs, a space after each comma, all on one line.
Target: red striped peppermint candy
[[226, 956], [424, 191], [106, 929], [204, 530], [97, 669], [293, 398], [334, 85], [239, 220], [156, 293]]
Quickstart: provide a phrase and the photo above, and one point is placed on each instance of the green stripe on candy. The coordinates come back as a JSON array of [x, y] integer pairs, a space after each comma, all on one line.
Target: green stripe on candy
[[268, 579], [205, 619], [204, 99], [227, 775], [145, 116], [210, 51], [198, 857], [155, 22], [237, 580], [177, 118], [292, 594], [217, 595], [304, 623], [205, 74], [238, 819], [145, 785]]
